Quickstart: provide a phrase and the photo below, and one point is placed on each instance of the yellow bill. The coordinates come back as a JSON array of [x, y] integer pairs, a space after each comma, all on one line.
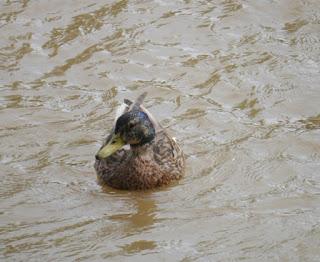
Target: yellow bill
[[114, 145]]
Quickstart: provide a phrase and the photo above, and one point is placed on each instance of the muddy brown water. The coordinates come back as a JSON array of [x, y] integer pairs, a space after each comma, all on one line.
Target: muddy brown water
[[236, 82]]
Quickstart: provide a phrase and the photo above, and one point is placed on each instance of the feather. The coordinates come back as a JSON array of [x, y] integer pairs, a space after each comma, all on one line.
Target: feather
[[121, 110], [138, 101]]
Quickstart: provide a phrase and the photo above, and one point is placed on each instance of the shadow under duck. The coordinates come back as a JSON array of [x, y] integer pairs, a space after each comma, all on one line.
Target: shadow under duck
[[138, 153]]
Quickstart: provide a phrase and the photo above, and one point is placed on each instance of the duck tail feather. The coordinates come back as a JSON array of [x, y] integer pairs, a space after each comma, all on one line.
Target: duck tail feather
[[138, 101]]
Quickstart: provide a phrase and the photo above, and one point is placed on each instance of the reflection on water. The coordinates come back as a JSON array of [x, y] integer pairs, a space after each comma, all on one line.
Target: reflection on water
[[142, 219], [235, 81]]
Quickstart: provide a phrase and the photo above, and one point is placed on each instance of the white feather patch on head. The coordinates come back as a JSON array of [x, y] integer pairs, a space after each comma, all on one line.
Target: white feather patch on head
[[126, 147], [121, 110]]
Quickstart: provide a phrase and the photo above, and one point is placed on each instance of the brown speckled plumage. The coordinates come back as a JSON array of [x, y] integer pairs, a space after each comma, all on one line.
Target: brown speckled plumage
[[146, 166]]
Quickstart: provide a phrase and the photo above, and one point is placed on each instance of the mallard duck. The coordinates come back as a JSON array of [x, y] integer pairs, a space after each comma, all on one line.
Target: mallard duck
[[138, 153]]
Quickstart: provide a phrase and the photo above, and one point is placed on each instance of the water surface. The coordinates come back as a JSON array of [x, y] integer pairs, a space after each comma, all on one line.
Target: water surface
[[237, 82]]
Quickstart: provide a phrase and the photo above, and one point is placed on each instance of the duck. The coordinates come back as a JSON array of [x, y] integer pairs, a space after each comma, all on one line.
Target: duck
[[138, 153]]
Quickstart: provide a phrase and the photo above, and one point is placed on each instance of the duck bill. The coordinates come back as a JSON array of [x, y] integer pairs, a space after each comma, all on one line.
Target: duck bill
[[113, 146]]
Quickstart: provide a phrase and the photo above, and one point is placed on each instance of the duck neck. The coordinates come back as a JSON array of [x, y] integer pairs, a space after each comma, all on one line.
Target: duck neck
[[139, 149]]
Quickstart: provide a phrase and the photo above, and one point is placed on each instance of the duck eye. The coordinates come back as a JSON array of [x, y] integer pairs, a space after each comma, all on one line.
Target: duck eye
[[131, 125]]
